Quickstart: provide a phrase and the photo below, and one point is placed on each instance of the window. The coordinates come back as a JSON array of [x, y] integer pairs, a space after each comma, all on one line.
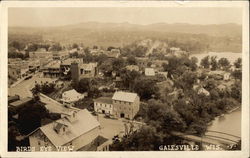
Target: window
[[39, 143], [81, 71], [110, 106]]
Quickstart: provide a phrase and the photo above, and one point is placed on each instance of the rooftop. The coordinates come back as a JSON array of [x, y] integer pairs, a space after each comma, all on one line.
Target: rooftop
[[107, 100], [84, 123], [88, 66], [124, 96], [21, 102], [71, 60]]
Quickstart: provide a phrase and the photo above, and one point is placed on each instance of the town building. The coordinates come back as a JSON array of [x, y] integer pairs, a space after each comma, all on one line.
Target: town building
[[220, 75], [142, 62], [78, 131], [125, 104], [52, 70], [71, 96], [121, 105], [40, 53], [149, 72], [60, 55], [79, 71], [203, 91], [20, 103], [114, 53], [103, 105], [132, 67], [14, 72], [13, 98]]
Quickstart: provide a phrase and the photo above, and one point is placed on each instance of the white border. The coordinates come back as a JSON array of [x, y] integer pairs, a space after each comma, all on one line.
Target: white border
[[244, 153]]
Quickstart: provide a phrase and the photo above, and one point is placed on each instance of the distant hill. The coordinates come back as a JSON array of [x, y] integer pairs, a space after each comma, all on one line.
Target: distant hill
[[223, 37]]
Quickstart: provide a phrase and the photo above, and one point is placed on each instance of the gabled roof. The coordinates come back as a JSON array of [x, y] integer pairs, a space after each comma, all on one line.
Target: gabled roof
[[106, 100], [85, 122], [124, 96], [72, 95]]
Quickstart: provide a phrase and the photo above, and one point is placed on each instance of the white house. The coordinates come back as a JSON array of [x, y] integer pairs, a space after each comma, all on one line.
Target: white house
[[103, 105], [121, 105], [226, 76], [71, 96], [203, 91], [149, 72]]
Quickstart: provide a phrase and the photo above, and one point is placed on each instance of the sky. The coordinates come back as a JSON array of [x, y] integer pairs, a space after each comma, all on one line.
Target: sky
[[46, 17]]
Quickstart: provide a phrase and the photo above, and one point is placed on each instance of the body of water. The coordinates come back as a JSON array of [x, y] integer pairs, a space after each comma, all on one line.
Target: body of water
[[229, 55], [229, 123]]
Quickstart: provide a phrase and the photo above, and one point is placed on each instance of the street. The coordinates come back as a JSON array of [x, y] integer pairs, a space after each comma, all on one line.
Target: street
[[23, 89]]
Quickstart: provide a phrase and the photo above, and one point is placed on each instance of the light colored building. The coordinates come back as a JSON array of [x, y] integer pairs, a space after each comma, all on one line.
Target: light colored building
[[14, 72], [71, 96], [121, 105], [40, 53], [60, 55], [114, 53], [226, 76], [103, 105], [149, 72], [79, 71], [125, 104], [203, 91], [76, 131], [132, 67]]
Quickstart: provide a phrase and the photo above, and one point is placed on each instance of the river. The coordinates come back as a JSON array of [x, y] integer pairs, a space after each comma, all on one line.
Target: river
[[229, 123], [232, 57]]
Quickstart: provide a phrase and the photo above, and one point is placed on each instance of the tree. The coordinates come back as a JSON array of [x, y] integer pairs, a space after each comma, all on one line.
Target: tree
[[205, 62], [118, 64], [224, 63], [238, 63], [186, 81], [30, 116], [110, 48], [210, 84], [83, 85], [194, 62], [237, 74], [146, 139], [13, 132], [129, 77], [214, 63], [131, 60], [146, 88], [236, 91], [56, 47], [75, 46]]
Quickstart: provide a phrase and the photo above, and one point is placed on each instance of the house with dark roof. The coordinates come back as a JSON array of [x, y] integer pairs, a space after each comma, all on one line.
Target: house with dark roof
[[77, 131], [13, 98], [19, 103]]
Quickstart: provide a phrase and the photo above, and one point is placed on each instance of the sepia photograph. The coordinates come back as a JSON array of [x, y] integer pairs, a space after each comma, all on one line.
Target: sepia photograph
[[125, 79]]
